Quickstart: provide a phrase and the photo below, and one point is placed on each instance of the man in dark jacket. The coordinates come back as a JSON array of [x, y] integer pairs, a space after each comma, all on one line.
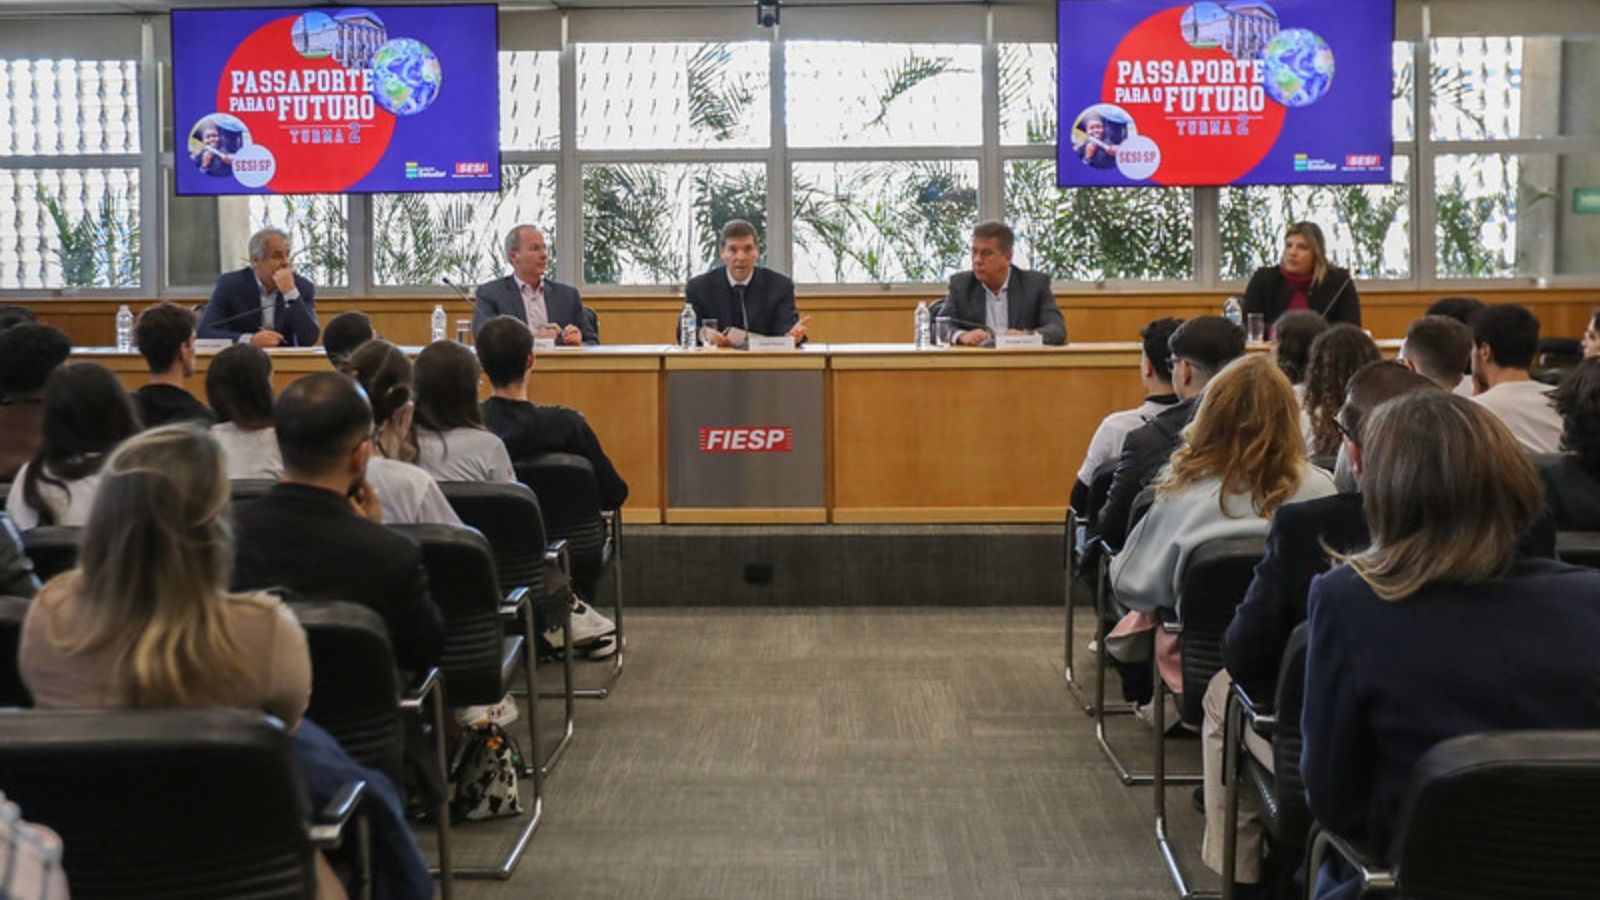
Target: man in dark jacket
[[742, 297], [316, 533], [264, 303], [165, 338], [996, 297]]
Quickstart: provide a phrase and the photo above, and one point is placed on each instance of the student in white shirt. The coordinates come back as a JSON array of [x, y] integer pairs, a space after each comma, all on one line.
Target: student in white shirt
[[86, 414], [239, 389], [1155, 373], [452, 442], [1505, 341]]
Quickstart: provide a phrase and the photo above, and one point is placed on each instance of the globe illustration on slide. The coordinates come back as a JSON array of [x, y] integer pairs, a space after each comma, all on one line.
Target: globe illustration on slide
[[1298, 67], [405, 76]]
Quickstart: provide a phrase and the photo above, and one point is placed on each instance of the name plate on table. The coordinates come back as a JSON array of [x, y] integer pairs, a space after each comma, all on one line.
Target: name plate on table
[[211, 345], [761, 342], [541, 344], [1017, 341]]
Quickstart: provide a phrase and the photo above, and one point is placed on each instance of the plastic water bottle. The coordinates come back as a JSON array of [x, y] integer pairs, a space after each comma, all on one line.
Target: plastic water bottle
[[124, 329], [1233, 311], [440, 322], [924, 321], [688, 327]]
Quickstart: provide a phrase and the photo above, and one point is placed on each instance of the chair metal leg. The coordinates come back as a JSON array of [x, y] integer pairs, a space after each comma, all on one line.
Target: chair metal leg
[[1159, 782], [508, 864], [567, 695], [1067, 648], [445, 872], [618, 659], [1124, 774]]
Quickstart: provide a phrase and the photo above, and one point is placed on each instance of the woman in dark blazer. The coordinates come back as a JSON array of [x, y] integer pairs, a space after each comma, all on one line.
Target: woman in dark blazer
[[1440, 628], [1303, 279]]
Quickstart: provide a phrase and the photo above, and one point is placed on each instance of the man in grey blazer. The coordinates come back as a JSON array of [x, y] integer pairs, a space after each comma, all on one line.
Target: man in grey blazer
[[997, 297], [549, 308]]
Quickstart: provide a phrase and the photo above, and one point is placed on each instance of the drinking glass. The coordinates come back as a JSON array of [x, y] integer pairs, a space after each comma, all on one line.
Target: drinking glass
[[463, 331], [708, 327], [1257, 327]]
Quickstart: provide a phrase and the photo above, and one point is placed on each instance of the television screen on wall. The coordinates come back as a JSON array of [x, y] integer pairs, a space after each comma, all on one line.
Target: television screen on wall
[[336, 98], [1222, 92]]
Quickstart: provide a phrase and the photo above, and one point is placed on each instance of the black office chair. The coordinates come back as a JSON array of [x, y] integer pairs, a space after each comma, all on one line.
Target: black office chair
[[157, 804], [511, 518], [1581, 548], [480, 658], [592, 319], [12, 691], [1280, 791], [246, 489], [356, 696], [1506, 814], [1211, 587], [569, 496], [1072, 561], [53, 549]]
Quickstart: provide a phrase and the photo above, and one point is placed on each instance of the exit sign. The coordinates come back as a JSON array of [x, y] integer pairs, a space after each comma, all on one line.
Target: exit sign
[[1586, 201]]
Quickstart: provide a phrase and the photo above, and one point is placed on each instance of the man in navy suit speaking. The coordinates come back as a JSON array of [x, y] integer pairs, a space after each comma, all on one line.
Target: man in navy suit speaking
[[265, 303], [549, 308], [742, 297]]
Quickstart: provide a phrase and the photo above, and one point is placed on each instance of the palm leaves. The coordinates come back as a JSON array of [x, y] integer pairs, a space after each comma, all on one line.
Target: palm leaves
[[101, 249], [424, 238], [717, 99], [903, 77], [882, 222]]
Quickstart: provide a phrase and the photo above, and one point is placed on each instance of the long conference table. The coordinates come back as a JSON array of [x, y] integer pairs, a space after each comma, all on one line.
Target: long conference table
[[829, 433]]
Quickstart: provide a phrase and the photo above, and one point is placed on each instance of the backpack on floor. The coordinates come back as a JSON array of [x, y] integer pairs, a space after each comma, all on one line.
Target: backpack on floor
[[484, 775]]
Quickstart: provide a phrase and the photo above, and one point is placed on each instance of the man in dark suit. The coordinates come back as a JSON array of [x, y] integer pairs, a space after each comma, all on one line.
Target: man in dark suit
[[264, 303], [549, 308], [742, 297], [999, 298], [316, 533]]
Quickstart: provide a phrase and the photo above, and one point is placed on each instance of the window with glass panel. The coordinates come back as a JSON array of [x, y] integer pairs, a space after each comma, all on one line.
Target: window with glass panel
[[1503, 215], [636, 96], [657, 223], [1098, 234], [1028, 94], [879, 222], [426, 238], [858, 94], [67, 107], [69, 228], [530, 100]]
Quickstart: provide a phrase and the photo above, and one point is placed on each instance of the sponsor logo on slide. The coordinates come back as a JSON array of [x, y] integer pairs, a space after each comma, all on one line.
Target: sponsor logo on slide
[[472, 169], [746, 440]]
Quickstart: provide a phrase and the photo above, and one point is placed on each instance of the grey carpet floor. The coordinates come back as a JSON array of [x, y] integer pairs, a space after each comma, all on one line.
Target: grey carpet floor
[[841, 753]]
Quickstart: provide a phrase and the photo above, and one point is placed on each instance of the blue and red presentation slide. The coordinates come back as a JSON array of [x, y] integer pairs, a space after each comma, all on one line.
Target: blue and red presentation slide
[[1219, 92], [336, 98]]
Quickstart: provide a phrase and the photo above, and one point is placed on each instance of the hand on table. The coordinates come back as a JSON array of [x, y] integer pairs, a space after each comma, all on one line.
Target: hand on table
[[798, 332], [266, 337], [973, 337], [571, 336]]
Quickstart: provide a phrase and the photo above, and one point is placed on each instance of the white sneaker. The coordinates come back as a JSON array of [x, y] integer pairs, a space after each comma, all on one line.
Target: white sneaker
[[587, 625], [502, 713], [1171, 714]]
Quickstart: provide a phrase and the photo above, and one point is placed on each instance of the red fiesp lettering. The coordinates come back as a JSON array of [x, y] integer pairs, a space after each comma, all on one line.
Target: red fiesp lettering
[[744, 439]]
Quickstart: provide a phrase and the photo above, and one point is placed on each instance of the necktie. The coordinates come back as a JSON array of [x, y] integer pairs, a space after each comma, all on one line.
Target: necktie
[[739, 301]]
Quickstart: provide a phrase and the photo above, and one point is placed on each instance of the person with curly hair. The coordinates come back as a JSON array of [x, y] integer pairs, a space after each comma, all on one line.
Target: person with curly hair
[[1572, 479], [1336, 354]]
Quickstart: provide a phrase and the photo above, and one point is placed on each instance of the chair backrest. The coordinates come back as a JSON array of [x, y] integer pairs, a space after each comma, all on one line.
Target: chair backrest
[[510, 517], [12, 691], [1211, 587], [1581, 548], [1508, 814], [461, 579], [52, 548], [163, 804], [355, 689], [244, 489], [592, 319], [569, 496], [1293, 816]]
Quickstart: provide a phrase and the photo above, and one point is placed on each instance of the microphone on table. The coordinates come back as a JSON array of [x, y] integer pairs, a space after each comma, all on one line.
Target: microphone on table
[[460, 291], [227, 320]]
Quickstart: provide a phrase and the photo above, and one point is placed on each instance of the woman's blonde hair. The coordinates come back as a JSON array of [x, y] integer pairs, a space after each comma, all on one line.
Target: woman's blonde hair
[[1448, 493], [1312, 232], [154, 567], [1247, 433]]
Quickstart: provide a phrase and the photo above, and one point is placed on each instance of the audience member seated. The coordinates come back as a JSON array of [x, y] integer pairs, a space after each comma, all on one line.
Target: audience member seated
[[239, 387], [1242, 459], [505, 350], [1441, 627], [409, 495], [86, 415], [28, 354], [1591, 336], [165, 338], [1439, 348], [1200, 348], [16, 570], [1155, 373], [1572, 480], [385, 373], [1336, 354], [146, 621], [1299, 541], [1291, 347], [1505, 340], [343, 334], [452, 442], [1462, 309], [316, 533], [15, 315]]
